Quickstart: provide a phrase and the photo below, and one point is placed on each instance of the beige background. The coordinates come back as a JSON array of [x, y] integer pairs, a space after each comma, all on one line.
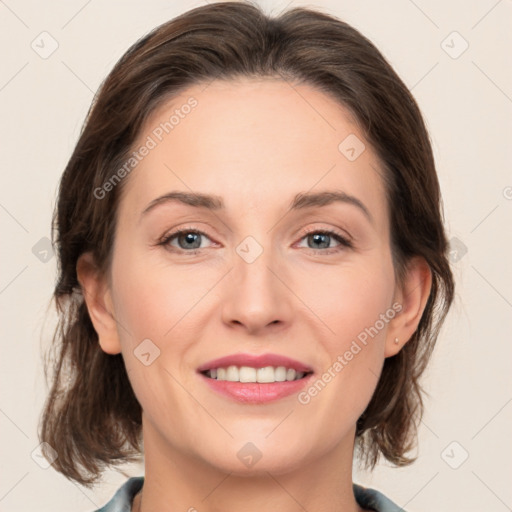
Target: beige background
[[467, 102]]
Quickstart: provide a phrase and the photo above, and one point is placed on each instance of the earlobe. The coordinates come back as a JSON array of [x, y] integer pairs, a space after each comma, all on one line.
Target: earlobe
[[98, 300], [412, 296]]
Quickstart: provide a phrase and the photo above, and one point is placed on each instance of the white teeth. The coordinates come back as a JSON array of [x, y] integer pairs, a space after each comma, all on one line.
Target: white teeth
[[280, 374], [247, 374], [232, 374], [267, 374]]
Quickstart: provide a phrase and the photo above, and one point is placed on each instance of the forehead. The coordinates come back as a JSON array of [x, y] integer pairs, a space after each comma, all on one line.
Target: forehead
[[256, 143]]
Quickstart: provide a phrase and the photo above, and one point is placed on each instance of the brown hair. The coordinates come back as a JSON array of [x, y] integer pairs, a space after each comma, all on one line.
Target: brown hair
[[91, 416]]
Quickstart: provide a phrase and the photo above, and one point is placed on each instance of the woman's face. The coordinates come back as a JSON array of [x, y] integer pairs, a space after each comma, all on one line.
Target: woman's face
[[255, 276]]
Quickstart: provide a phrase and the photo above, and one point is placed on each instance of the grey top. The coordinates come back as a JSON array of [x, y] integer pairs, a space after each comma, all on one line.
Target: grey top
[[365, 497]]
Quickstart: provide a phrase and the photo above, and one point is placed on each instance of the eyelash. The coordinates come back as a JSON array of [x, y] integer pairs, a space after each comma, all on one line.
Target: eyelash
[[343, 241]]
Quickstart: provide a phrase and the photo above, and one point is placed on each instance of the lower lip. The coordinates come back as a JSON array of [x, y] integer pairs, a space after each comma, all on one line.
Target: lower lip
[[256, 392]]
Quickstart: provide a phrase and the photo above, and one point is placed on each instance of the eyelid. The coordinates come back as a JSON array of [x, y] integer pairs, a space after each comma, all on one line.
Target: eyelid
[[168, 235], [345, 239], [329, 230]]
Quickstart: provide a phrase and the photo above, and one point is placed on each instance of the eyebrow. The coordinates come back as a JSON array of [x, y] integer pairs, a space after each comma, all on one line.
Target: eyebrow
[[301, 201]]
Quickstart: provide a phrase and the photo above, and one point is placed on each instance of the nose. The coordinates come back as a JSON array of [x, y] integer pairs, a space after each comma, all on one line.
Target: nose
[[256, 297]]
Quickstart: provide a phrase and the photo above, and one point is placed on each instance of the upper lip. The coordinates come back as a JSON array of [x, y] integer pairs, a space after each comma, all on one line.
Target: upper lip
[[255, 361]]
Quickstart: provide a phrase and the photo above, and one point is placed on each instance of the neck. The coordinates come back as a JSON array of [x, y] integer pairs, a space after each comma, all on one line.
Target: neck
[[180, 481]]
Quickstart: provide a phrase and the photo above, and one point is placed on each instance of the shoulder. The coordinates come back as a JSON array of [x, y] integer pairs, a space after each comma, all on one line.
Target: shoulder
[[122, 499], [374, 500]]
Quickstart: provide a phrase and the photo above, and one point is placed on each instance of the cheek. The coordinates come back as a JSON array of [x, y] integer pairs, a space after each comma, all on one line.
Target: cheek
[[151, 298], [152, 303], [351, 298], [357, 308], [360, 303]]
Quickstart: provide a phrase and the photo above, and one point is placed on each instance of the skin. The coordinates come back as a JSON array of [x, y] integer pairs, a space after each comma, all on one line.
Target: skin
[[255, 143]]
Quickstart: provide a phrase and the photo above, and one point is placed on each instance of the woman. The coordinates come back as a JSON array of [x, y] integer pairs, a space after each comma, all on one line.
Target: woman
[[251, 365]]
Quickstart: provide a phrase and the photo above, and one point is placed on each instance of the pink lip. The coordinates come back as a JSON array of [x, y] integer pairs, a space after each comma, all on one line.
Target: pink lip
[[255, 392], [255, 362]]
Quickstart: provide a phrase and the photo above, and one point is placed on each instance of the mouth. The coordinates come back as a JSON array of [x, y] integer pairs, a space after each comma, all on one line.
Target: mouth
[[255, 379], [248, 374]]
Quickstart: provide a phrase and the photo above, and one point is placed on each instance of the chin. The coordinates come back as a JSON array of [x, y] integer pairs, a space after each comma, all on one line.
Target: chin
[[256, 458]]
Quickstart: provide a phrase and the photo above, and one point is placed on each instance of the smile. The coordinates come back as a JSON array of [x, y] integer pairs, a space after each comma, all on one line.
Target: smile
[[255, 379], [266, 374]]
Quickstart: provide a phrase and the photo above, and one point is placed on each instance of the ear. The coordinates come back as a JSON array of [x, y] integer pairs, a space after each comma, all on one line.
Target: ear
[[98, 300], [412, 296]]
